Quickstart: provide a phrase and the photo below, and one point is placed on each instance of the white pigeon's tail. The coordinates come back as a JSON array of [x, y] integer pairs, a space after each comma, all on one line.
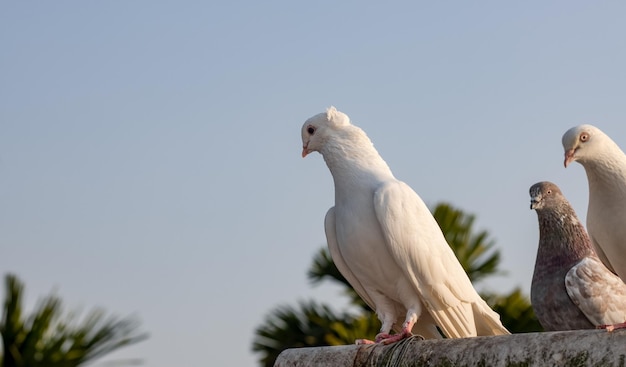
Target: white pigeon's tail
[[456, 322], [468, 320], [487, 321]]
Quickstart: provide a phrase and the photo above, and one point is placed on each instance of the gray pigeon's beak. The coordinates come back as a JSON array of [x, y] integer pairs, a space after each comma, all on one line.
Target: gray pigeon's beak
[[534, 202], [569, 156]]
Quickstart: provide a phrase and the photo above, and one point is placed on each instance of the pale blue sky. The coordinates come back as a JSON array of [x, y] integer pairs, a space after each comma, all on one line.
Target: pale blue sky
[[150, 151]]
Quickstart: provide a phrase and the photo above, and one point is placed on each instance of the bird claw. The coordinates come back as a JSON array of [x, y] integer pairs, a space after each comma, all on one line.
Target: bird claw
[[382, 336], [397, 337], [610, 328], [385, 338]]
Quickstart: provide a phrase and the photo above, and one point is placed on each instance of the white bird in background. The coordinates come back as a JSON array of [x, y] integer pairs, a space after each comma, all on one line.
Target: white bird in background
[[386, 243], [605, 164]]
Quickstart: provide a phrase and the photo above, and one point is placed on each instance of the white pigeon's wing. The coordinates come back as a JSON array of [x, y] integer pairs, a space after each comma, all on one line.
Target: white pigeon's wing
[[600, 294], [340, 263], [419, 248], [601, 255]]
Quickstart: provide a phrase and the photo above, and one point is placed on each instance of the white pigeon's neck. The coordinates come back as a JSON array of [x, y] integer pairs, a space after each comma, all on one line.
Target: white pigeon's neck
[[607, 171], [352, 158]]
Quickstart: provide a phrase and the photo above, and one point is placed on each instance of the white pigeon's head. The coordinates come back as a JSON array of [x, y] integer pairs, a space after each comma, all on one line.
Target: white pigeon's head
[[317, 129], [583, 143]]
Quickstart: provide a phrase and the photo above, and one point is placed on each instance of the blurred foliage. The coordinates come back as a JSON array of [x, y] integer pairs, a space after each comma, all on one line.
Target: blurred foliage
[[475, 251], [46, 338], [515, 311], [311, 324]]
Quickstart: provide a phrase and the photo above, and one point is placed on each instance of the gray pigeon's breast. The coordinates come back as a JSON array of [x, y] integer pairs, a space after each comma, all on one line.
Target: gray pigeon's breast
[[553, 306]]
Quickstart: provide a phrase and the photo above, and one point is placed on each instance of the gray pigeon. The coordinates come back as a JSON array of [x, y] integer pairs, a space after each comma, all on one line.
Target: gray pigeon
[[571, 288], [386, 243]]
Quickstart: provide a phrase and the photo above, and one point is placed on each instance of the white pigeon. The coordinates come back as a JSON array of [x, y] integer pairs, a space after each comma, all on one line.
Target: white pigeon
[[605, 164], [386, 243]]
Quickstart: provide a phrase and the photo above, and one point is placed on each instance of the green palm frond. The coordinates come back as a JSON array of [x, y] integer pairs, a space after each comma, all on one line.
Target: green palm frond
[[475, 251], [48, 338], [291, 327], [309, 325], [516, 312]]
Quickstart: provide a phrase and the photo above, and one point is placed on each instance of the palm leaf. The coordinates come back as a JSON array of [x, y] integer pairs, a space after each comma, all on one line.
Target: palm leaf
[[516, 312], [47, 338], [476, 251]]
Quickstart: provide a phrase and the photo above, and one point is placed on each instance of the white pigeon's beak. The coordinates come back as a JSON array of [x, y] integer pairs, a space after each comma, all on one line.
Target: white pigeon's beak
[[569, 156], [305, 150]]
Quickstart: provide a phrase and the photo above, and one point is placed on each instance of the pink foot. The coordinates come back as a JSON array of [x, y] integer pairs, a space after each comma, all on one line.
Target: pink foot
[[612, 327], [379, 338], [382, 336], [385, 339], [396, 337]]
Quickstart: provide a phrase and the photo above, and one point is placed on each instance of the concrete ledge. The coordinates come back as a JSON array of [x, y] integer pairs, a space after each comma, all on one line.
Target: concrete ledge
[[562, 348]]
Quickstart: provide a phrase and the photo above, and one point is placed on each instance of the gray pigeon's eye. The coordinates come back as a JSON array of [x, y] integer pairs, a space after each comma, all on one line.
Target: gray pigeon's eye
[[310, 130], [584, 137], [549, 192]]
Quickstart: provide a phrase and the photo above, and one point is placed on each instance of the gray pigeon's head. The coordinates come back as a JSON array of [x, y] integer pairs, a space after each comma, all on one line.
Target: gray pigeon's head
[[317, 129], [545, 195], [582, 143]]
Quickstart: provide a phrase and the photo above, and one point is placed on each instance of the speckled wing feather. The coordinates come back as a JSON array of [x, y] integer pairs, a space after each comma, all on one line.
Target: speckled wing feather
[[600, 294]]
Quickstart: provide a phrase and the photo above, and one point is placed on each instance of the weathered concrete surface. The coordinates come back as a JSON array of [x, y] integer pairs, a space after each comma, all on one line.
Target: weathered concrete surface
[[563, 348]]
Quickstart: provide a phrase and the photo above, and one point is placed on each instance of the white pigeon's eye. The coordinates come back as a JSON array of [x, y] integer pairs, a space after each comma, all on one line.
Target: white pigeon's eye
[[584, 137], [310, 130]]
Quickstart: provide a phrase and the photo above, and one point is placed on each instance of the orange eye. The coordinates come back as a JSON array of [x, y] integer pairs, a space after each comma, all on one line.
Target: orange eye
[[584, 137]]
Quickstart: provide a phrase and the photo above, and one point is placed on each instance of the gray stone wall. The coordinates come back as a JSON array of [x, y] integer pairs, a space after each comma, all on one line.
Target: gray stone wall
[[563, 348]]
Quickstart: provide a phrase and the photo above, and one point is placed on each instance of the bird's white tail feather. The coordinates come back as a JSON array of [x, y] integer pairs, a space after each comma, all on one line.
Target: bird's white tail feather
[[469, 319], [456, 322], [487, 320]]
